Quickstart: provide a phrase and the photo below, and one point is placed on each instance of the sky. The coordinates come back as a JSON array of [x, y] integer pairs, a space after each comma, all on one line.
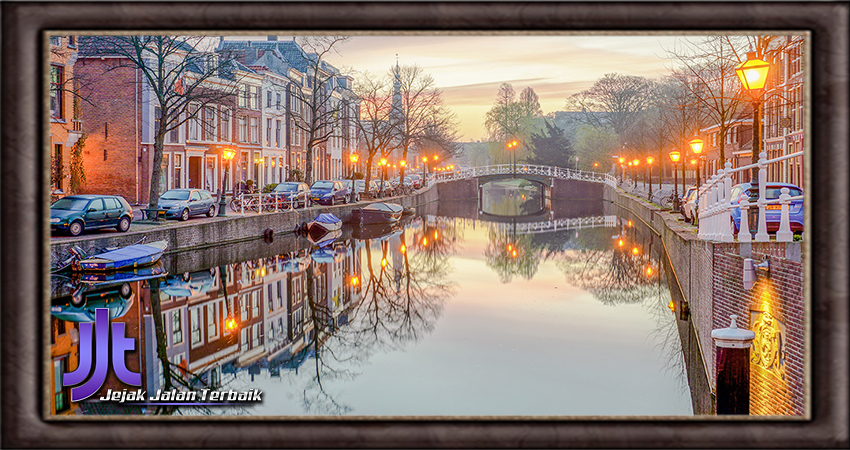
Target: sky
[[470, 68]]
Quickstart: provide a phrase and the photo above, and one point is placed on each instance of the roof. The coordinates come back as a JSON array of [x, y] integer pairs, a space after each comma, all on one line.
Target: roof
[[288, 51]]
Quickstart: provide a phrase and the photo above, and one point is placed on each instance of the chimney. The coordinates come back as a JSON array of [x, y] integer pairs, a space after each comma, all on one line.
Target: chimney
[[272, 38]]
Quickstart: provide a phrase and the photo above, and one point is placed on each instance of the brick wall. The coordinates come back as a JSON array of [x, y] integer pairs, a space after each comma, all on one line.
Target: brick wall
[[109, 156], [710, 275], [777, 389]]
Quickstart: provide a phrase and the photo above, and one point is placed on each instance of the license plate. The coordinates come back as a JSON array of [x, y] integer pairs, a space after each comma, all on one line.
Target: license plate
[[774, 206]]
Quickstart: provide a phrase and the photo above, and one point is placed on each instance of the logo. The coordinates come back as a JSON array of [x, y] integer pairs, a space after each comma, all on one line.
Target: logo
[[95, 350]]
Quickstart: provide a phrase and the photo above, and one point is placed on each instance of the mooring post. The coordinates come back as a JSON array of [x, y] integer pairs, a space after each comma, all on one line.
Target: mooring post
[[733, 368]]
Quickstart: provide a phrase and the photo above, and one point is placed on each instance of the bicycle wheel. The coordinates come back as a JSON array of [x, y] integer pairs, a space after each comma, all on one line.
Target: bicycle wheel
[[235, 205]]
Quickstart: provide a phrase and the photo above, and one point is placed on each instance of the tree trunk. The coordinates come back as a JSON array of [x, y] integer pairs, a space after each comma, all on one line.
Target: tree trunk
[[156, 170]]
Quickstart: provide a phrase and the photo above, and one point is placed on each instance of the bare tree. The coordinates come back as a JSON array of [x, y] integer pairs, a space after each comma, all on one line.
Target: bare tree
[[180, 78], [376, 128], [321, 98], [614, 101], [424, 121], [510, 118]]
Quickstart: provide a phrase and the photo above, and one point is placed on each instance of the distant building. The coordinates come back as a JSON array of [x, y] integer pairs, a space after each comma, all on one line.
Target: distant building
[[65, 124]]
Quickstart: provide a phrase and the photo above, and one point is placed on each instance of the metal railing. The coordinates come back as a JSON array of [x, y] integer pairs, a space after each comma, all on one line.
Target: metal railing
[[528, 169], [264, 202], [716, 205], [558, 224]]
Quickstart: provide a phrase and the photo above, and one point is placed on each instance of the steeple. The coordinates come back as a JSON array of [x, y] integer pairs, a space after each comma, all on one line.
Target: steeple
[[397, 110]]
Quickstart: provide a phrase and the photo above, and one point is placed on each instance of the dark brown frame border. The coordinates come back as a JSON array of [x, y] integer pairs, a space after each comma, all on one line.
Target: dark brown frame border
[[23, 162]]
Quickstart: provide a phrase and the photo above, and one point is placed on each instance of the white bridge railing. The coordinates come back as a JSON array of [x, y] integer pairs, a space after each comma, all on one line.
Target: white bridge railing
[[558, 224], [528, 169], [716, 205]]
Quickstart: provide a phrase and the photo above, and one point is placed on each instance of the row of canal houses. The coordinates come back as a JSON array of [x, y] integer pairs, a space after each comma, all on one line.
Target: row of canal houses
[[105, 101], [274, 323], [782, 121]]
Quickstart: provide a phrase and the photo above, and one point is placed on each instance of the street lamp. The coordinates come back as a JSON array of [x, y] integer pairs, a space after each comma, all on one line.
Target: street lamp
[[353, 157], [674, 157], [753, 75], [512, 145], [226, 155], [383, 163], [635, 171], [649, 162], [622, 162], [696, 147]]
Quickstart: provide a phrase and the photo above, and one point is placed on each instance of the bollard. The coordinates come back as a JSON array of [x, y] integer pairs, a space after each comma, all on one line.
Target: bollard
[[733, 368], [784, 234]]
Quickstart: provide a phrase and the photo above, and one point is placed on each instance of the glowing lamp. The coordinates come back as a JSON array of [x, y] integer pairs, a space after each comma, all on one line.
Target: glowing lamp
[[752, 72], [649, 160], [354, 157], [675, 156], [403, 163], [355, 281], [672, 305], [635, 250], [696, 145], [403, 248], [228, 154], [622, 160], [383, 262], [636, 162]]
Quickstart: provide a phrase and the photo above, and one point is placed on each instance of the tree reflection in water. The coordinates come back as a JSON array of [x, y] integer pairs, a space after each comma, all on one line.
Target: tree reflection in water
[[399, 302]]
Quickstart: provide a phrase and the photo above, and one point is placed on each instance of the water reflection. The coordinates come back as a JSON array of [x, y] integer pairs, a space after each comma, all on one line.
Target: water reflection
[[350, 324], [514, 197]]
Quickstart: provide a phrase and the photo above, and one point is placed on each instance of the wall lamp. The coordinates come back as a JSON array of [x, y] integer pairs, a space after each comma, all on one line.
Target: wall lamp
[[750, 271]]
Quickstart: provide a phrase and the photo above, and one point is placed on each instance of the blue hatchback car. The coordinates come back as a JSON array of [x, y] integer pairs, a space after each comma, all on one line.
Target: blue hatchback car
[[328, 192], [773, 213]]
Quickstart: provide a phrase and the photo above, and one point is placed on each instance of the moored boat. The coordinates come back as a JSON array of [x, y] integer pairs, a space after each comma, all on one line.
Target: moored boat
[[324, 222], [131, 256], [378, 213]]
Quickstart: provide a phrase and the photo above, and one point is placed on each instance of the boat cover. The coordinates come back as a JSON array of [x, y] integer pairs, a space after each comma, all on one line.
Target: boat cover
[[327, 218], [390, 207], [130, 253]]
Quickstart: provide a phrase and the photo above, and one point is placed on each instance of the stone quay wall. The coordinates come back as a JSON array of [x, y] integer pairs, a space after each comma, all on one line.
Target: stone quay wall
[[209, 232], [710, 275]]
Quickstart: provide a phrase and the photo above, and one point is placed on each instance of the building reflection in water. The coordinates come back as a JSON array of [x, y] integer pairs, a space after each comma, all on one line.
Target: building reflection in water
[[333, 306]]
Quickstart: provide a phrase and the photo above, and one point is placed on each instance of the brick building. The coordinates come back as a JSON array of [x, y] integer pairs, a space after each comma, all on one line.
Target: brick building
[[65, 126]]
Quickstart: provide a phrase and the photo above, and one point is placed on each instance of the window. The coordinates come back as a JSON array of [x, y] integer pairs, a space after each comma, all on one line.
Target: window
[[255, 335], [212, 320], [277, 134], [209, 123], [268, 132], [163, 173], [193, 123], [174, 135], [178, 171], [256, 98], [225, 124], [72, 41], [195, 318], [243, 129], [176, 327], [58, 170], [157, 120], [268, 99], [246, 97], [55, 40], [243, 311], [196, 196], [255, 304], [60, 394], [277, 102], [57, 75], [255, 130]]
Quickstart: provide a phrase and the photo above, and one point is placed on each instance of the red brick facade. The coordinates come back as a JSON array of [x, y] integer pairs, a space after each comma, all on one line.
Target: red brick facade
[[779, 388]]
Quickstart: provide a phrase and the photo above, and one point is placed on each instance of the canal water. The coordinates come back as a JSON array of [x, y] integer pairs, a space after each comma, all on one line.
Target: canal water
[[563, 313]]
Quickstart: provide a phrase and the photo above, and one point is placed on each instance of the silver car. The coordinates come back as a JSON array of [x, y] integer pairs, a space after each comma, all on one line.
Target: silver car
[[182, 203]]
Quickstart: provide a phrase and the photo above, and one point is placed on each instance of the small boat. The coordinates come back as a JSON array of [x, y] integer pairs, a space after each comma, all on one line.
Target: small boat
[[376, 231], [127, 257], [322, 238], [378, 213], [325, 222]]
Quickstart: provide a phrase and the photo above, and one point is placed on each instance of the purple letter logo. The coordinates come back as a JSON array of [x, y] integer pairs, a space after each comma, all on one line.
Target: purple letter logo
[[120, 344]]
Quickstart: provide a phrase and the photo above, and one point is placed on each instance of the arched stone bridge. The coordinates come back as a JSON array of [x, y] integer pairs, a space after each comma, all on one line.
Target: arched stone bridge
[[558, 182], [546, 226]]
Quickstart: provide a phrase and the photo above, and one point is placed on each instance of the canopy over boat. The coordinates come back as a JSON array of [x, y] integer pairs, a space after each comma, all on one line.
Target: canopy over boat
[[327, 218], [131, 256], [385, 207]]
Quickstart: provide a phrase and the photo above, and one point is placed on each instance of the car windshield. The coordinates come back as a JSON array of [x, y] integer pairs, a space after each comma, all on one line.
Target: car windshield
[[70, 204], [286, 187], [175, 195], [772, 192], [322, 185]]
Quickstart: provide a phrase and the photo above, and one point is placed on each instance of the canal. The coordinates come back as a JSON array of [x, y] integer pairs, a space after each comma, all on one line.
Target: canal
[[444, 314]]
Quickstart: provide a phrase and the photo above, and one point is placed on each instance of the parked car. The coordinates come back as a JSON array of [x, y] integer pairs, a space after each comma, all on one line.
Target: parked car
[[686, 193], [417, 180], [773, 212], [359, 185], [328, 192], [689, 208], [293, 192], [377, 188], [76, 213], [182, 203]]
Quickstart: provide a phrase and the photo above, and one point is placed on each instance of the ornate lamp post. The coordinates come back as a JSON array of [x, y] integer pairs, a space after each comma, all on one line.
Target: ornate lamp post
[[635, 172], [696, 148], [753, 75], [649, 161], [226, 155], [622, 162], [383, 164], [353, 157], [674, 157], [424, 168], [512, 145]]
